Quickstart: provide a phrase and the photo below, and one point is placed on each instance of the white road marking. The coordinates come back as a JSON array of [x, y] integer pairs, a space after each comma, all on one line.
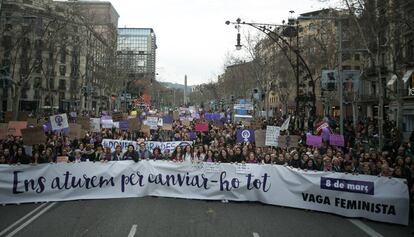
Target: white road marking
[[30, 220], [255, 234], [133, 230], [21, 219], [371, 232]]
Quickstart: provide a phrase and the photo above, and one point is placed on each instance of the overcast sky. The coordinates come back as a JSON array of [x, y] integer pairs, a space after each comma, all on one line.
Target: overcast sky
[[191, 35]]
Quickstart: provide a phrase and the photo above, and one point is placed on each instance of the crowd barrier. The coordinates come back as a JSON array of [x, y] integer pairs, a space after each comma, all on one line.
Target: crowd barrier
[[375, 198]]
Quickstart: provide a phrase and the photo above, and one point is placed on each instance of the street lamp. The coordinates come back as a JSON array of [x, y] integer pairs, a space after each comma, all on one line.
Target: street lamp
[[298, 64]]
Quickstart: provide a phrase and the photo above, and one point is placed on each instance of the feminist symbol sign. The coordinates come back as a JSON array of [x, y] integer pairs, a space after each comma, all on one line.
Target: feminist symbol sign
[[59, 122], [245, 135]]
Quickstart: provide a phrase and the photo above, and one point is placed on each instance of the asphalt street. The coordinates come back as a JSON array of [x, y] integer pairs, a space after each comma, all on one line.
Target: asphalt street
[[151, 216]]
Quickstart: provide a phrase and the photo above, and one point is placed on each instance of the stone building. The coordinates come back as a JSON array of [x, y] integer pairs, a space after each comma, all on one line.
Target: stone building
[[57, 55]]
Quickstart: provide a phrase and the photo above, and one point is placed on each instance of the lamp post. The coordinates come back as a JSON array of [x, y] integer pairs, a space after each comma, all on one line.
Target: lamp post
[[290, 30]]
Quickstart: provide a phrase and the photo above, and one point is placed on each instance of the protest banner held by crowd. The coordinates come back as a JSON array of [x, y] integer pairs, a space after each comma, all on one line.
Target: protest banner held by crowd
[[194, 137]]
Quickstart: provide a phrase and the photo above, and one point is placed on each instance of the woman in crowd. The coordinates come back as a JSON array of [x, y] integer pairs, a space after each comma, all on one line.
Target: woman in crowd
[[224, 158], [210, 156], [107, 155], [188, 155], [89, 154], [295, 162], [251, 158], [156, 154], [131, 154], [177, 155], [310, 165]]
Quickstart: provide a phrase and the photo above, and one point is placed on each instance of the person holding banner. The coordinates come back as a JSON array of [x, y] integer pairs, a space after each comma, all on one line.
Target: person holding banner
[[143, 152], [177, 155], [188, 155], [156, 154], [117, 154], [131, 154]]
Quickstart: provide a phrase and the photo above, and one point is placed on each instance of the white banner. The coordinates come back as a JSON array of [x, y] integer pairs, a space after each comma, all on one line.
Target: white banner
[[111, 143], [272, 135], [59, 122], [376, 198]]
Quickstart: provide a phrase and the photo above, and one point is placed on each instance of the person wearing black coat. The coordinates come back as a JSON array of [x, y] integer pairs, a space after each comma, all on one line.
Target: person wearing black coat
[[131, 154]]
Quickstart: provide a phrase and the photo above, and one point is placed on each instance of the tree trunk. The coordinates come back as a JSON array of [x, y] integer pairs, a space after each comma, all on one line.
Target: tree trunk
[[16, 102]]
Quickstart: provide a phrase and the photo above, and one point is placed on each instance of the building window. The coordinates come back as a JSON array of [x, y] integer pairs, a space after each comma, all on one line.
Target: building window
[[37, 83], [61, 95], [62, 84], [63, 56], [62, 70], [51, 83]]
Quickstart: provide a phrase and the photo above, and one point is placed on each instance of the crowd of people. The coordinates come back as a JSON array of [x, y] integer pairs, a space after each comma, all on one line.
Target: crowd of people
[[220, 144]]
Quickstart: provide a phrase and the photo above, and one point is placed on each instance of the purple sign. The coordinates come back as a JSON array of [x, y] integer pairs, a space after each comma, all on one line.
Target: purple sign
[[212, 116], [167, 119], [346, 185], [336, 140], [245, 135], [123, 125], [315, 141]]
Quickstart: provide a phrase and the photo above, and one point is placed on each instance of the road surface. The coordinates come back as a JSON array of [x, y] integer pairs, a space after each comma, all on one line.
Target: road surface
[[152, 216]]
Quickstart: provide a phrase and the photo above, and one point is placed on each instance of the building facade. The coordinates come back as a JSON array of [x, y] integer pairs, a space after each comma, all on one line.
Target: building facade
[[52, 51]]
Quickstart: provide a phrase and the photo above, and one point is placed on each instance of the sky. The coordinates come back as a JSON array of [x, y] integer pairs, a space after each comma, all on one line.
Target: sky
[[192, 36]]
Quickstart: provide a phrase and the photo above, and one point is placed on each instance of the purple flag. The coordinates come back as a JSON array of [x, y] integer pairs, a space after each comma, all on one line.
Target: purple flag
[[336, 140], [315, 141], [245, 135]]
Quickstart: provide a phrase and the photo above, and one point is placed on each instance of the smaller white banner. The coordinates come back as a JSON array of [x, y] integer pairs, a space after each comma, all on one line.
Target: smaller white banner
[[150, 145]]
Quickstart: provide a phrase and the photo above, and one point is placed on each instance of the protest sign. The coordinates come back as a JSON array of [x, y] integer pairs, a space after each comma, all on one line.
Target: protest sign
[[245, 135], [84, 122], [176, 115], [117, 116], [146, 129], [167, 127], [107, 122], [201, 127], [123, 125], [272, 135], [336, 140], [160, 122], [62, 159], [288, 141], [134, 124], [260, 137], [315, 141], [33, 136], [167, 119], [152, 122], [3, 130], [32, 122], [15, 127], [21, 116], [95, 124], [59, 122], [75, 131]]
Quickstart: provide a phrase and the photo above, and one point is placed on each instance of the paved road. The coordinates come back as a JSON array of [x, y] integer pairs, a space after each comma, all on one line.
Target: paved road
[[152, 216]]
